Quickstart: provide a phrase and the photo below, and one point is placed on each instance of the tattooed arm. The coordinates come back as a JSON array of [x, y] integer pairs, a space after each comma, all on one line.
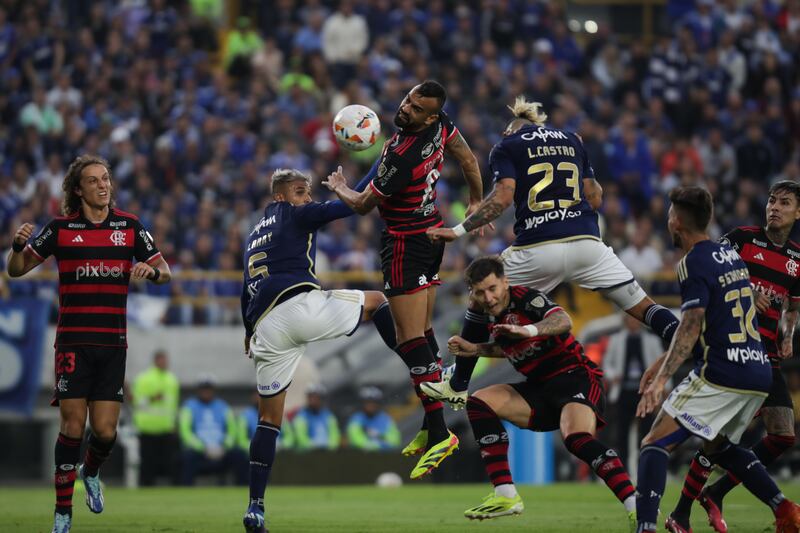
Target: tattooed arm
[[492, 206], [458, 148], [788, 321], [593, 192], [681, 348], [555, 323]]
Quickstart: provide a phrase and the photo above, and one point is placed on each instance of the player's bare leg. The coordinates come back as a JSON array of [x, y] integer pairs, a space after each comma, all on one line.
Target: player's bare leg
[[262, 457]]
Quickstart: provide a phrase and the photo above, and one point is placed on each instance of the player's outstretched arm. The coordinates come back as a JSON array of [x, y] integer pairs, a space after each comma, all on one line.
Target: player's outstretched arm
[[463, 348], [489, 209], [681, 348], [555, 323], [360, 202], [460, 150], [21, 260]]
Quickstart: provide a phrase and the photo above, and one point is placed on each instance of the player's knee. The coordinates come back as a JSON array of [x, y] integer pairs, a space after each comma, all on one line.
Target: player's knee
[[72, 428], [105, 431], [373, 300]]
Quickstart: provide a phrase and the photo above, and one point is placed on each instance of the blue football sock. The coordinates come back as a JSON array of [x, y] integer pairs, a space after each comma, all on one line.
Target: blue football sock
[[650, 486], [384, 323], [744, 464], [262, 457], [661, 321]]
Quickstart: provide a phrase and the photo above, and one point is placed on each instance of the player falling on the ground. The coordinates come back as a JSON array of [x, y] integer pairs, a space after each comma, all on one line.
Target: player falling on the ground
[[732, 374], [563, 388], [404, 189], [546, 174], [284, 308], [95, 245], [773, 261]]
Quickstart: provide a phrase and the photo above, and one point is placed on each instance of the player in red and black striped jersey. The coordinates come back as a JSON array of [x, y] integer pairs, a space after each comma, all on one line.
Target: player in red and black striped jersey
[[773, 261], [563, 388], [403, 189], [95, 246]]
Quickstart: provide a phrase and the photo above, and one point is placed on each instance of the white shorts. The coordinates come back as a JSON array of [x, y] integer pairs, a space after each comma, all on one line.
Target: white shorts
[[587, 262], [280, 338], [708, 411]]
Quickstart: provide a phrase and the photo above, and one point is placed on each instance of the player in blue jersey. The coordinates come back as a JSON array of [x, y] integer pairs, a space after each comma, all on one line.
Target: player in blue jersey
[[546, 174], [732, 373], [284, 308]]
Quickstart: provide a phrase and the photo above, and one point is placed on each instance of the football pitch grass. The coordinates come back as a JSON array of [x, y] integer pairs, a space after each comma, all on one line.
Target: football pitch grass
[[410, 509]]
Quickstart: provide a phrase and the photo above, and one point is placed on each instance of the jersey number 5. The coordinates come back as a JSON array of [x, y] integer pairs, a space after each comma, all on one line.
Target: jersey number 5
[[572, 182], [746, 324], [256, 271]]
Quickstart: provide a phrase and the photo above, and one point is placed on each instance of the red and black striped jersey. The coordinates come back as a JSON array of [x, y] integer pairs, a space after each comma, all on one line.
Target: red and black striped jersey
[[406, 178], [774, 271], [94, 266], [538, 358]]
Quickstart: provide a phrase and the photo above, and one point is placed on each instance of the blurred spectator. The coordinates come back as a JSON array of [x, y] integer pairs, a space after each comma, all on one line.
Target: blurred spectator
[[629, 353], [155, 414], [344, 41], [243, 43], [315, 426], [41, 115], [640, 256], [208, 436], [372, 428]]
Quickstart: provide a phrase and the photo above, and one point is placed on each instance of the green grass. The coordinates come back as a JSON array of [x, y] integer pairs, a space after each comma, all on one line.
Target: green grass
[[410, 509]]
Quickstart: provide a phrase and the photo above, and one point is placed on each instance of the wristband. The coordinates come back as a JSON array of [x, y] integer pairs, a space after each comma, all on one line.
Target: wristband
[[532, 330], [459, 230], [156, 274], [18, 247]]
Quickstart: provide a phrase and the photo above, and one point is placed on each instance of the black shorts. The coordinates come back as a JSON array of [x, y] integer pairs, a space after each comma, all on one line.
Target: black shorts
[[779, 393], [91, 372], [409, 263], [548, 398]]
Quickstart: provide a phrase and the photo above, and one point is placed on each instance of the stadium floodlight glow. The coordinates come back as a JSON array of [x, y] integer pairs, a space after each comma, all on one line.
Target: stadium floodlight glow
[[574, 25], [590, 26]]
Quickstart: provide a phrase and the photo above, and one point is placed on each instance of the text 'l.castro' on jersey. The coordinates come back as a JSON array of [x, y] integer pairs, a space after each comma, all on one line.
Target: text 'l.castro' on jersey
[[712, 276], [549, 166]]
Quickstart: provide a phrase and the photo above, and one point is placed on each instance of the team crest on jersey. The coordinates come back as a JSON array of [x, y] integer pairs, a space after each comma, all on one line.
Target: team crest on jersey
[[791, 267], [538, 302], [118, 238], [427, 150], [381, 170]]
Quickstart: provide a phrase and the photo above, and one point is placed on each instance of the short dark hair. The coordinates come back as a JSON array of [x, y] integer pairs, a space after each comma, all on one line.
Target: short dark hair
[[694, 204], [789, 186], [433, 89], [482, 268]]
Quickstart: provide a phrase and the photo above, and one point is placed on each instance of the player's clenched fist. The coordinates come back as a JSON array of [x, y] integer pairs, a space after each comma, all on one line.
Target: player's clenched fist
[[459, 346], [142, 271], [24, 233]]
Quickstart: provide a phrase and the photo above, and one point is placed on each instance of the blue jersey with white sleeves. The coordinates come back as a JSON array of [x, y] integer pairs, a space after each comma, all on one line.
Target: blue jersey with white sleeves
[[549, 166], [712, 276], [280, 254]]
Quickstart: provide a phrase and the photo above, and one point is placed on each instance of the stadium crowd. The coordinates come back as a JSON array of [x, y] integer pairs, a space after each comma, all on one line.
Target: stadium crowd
[[195, 113]]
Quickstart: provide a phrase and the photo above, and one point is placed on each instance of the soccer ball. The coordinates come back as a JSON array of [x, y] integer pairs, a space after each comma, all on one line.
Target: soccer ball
[[356, 127]]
